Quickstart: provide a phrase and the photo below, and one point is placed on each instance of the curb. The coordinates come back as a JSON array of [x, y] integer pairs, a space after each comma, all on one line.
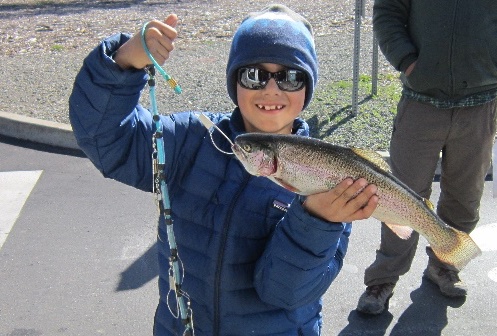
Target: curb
[[37, 130]]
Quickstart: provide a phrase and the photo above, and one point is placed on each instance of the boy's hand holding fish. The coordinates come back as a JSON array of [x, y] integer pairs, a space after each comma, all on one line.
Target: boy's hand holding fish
[[347, 202]]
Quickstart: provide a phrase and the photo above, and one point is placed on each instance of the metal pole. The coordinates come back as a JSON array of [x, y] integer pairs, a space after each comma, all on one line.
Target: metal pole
[[374, 72], [494, 172], [357, 50]]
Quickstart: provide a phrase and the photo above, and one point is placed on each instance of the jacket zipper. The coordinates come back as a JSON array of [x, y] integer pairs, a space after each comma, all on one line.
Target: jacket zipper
[[220, 256]]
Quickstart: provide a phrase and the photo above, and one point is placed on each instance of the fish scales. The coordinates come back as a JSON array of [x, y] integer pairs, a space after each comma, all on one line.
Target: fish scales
[[335, 168], [307, 166]]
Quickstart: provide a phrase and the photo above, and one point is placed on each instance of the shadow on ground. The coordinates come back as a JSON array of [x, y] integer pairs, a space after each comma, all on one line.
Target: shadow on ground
[[140, 272], [41, 147], [324, 128], [426, 315]]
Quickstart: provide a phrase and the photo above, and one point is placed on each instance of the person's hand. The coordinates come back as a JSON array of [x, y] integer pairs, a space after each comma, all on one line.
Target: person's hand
[[159, 37], [410, 68], [348, 201]]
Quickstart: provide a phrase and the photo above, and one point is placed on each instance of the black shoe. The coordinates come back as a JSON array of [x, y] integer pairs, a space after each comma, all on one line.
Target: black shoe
[[447, 280], [374, 300]]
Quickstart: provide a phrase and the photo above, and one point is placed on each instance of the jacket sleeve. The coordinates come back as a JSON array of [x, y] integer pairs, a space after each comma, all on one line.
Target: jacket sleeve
[[303, 257], [113, 130], [390, 25]]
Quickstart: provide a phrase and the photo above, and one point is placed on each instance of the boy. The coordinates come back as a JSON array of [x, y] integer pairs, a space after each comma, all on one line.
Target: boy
[[256, 259]]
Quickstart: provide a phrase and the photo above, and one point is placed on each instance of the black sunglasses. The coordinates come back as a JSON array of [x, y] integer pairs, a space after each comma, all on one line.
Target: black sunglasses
[[253, 78]]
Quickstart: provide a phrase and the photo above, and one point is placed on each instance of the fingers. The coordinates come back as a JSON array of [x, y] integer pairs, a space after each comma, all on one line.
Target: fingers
[[165, 29], [358, 194], [348, 189], [357, 200], [410, 68], [367, 210], [159, 37], [362, 206], [348, 201], [171, 20]]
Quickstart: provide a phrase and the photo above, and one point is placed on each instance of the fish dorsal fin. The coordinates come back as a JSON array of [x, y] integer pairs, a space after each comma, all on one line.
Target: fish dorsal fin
[[429, 204], [372, 157]]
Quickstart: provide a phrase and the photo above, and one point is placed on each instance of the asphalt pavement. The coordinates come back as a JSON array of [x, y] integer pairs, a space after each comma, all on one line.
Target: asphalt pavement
[[78, 257]]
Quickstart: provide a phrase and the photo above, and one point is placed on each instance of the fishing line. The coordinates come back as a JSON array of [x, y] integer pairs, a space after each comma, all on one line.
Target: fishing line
[[209, 124], [176, 269], [172, 83]]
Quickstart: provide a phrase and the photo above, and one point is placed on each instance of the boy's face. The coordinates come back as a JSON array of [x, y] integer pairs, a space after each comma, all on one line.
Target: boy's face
[[270, 110]]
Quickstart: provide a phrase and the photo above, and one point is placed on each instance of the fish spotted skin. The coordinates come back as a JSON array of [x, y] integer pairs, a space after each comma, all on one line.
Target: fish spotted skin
[[308, 166]]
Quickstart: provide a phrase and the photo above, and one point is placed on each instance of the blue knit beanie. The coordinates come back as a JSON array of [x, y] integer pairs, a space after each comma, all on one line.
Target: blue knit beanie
[[274, 35]]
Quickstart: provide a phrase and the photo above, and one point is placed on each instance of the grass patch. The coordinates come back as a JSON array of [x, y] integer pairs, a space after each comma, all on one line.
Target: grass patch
[[331, 117], [57, 47]]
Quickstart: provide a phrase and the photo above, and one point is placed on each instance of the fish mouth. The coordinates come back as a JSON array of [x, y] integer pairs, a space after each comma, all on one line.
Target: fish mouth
[[238, 151]]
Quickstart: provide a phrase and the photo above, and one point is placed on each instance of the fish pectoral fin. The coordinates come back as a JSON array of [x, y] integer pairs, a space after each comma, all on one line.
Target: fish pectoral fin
[[402, 231], [286, 185]]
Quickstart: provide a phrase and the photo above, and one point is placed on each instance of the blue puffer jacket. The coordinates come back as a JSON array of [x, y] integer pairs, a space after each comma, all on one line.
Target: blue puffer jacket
[[252, 266]]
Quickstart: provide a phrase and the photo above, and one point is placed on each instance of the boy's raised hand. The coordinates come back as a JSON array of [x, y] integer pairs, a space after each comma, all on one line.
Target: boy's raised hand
[[159, 37]]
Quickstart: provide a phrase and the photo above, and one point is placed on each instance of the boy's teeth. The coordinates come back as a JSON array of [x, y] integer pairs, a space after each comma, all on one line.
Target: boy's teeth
[[272, 107]]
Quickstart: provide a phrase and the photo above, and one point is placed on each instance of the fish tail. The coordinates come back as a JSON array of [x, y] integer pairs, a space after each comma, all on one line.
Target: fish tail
[[459, 253]]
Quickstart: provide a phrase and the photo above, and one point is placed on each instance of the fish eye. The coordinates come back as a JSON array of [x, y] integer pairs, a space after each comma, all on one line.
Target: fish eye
[[247, 147]]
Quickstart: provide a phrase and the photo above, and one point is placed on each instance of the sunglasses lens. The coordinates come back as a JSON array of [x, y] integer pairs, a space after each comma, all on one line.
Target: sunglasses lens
[[292, 80], [256, 79], [252, 78]]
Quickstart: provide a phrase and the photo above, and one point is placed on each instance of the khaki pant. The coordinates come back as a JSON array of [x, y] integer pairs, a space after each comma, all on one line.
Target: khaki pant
[[421, 132]]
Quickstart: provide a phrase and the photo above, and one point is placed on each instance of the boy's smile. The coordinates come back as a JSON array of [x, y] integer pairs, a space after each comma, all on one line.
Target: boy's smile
[[270, 109]]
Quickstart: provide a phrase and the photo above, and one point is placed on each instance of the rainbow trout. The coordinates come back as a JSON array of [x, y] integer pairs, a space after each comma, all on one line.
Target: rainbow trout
[[308, 166]]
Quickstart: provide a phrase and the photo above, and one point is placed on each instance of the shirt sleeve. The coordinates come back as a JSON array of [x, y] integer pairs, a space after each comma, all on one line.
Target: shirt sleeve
[[303, 257], [108, 122], [390, 25]]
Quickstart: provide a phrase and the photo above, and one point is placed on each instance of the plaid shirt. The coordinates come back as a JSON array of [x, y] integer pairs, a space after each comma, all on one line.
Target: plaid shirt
[[473, 100]]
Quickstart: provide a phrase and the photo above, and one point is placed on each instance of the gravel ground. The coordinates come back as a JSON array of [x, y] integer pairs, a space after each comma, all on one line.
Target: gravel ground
[[43, 44]]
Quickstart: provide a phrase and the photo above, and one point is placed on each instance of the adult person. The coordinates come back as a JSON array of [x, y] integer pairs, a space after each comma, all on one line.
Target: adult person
[[256, 259], [446, 52]]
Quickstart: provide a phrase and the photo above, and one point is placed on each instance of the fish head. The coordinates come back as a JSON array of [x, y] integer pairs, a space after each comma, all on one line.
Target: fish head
[[257, 154]]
